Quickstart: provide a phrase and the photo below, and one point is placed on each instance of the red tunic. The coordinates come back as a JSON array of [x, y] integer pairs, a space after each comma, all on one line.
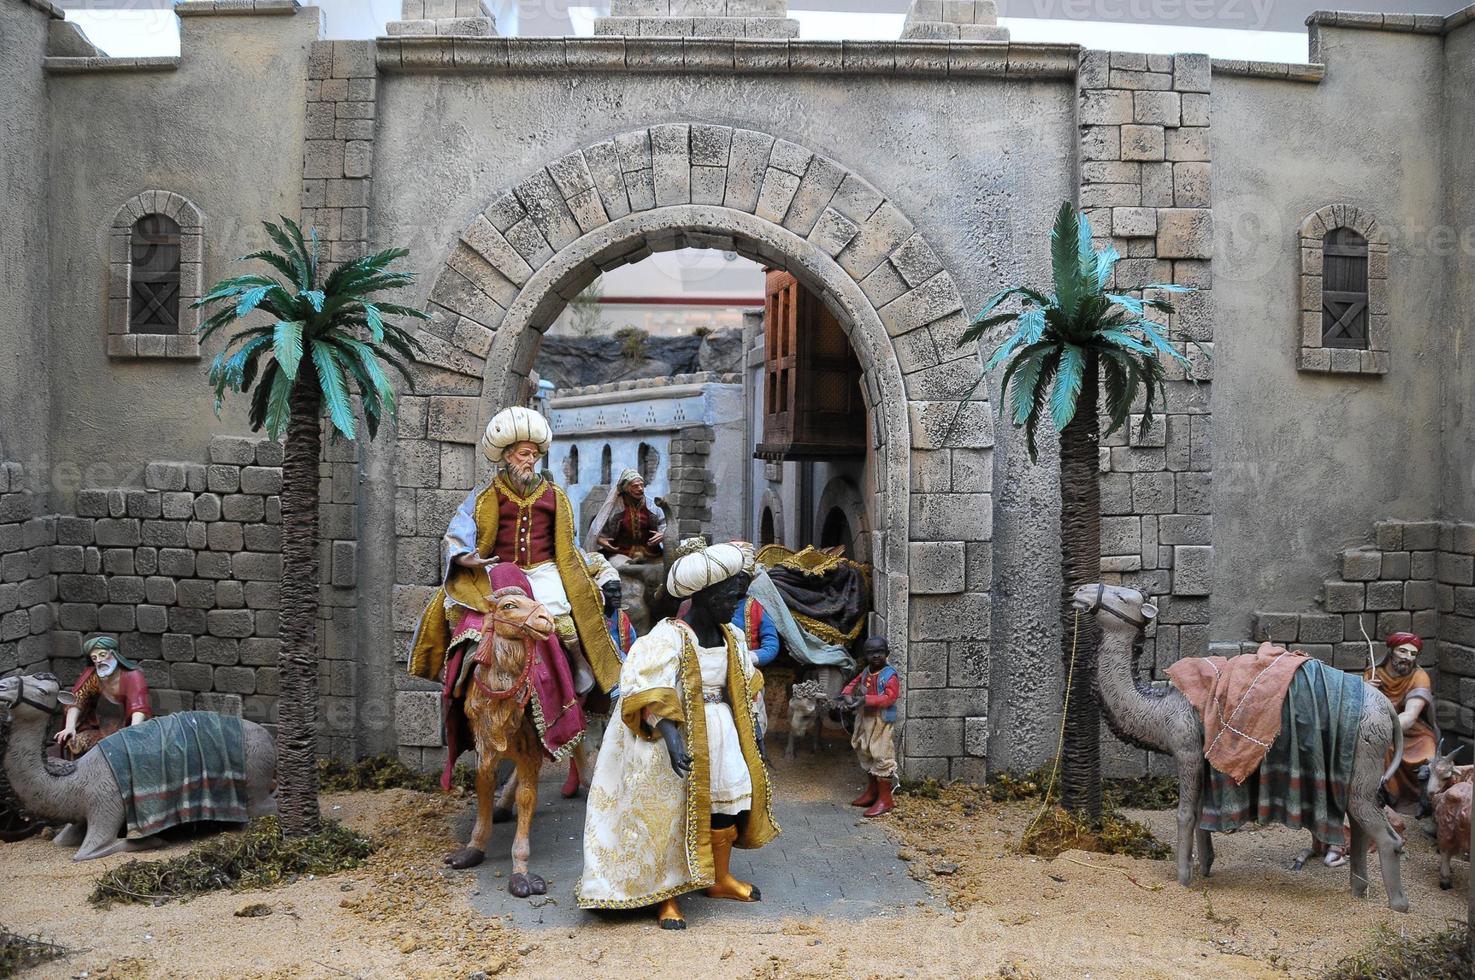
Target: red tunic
[[524, 526]]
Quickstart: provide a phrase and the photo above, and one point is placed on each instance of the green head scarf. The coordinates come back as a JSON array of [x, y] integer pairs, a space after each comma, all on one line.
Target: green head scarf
[[109, 644]]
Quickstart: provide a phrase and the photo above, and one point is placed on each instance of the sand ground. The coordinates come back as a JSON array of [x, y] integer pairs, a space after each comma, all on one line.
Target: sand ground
[[998, 913]]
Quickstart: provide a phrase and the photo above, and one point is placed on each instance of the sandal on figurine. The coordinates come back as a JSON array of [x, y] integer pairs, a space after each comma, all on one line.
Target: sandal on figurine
[[521, 885], [1336, 857], [668, 913], [466, 857]]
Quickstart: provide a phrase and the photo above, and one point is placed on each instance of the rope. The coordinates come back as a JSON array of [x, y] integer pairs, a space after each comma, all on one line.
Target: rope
[[1064, 713]]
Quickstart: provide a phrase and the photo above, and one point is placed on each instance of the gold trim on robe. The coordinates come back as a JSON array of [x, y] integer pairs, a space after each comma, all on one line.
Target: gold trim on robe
[[467, 588], [648, 834]]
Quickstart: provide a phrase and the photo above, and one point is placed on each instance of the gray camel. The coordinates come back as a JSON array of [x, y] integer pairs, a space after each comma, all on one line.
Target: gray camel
[[84, 793], [1163, 720]]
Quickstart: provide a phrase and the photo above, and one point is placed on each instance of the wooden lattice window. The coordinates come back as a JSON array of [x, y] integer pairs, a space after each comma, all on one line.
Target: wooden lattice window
[[812, 396], [155, 263], [153, 279], [1345, 320], [1344, 290]]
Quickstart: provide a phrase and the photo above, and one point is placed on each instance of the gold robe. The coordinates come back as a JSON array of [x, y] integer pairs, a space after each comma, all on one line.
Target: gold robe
[[647, 832], [467, 588]]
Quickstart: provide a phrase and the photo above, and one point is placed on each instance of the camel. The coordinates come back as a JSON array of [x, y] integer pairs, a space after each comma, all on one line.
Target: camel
[[1163, 720], [84, 793], [502, 724]]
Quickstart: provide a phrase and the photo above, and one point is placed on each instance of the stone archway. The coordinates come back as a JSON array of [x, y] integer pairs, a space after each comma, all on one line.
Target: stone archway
[[541, 242]]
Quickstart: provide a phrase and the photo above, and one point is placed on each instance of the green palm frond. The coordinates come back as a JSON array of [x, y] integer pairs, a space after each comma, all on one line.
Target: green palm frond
[[328, 333], [1058, 340]]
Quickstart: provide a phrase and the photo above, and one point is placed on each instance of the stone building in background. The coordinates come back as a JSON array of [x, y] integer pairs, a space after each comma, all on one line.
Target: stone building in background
[[1316, 474]]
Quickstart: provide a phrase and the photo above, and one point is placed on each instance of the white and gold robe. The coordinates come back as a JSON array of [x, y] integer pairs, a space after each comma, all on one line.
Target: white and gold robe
[[647, 832]]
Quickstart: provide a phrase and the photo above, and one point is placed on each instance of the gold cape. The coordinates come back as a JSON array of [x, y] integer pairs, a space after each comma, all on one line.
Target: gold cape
[[647, 832], [467, 588]]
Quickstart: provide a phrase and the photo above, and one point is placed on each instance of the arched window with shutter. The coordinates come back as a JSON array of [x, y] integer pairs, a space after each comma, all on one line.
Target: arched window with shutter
[[155, 267], [1345, 325], [571, 467]]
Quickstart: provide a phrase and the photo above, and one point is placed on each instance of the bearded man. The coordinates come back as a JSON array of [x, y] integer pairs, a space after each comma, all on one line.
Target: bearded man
[[521, 518], [1407, 685], [111, 695], [626, 529]]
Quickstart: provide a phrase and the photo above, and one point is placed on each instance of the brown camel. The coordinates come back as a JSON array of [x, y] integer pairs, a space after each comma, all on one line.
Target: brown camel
[[498, 715]]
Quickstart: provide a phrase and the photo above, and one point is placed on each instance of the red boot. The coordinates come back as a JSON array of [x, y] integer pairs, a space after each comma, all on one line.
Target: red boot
[[571, 784], [883, 802], [869, 796]]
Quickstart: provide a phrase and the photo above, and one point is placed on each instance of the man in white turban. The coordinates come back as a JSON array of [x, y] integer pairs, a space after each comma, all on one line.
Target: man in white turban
[[682, 777], [626, 529], [522, 518]]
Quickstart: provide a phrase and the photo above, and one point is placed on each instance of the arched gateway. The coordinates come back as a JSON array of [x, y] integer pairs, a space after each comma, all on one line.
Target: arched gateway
[[540, 243]]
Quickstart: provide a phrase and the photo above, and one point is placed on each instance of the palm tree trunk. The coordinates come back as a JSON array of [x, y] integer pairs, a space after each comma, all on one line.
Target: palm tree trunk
[[1080, 564], [297, 706]]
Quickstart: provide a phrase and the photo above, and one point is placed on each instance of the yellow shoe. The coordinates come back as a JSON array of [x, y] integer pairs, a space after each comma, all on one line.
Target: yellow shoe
[[726, 886], [668, 914]]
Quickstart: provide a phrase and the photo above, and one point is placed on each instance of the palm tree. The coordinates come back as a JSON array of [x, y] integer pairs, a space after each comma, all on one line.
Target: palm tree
[[324, 345], [1063, 346]]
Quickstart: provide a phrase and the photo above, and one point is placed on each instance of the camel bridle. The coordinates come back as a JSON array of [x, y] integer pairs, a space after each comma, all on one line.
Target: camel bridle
[[1099, 603], [20, 698], [521, 688]]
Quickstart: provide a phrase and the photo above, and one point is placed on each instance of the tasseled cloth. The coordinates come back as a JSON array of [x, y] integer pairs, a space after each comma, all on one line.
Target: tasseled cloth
[[180, 768], [1239, 701]]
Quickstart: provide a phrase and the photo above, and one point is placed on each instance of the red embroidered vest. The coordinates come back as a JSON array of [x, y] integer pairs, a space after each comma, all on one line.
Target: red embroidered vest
[[524, 526]]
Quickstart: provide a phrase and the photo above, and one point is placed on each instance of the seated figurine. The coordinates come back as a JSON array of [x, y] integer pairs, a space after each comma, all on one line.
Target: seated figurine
[[626, 529], [110, 695], [1407, 685]]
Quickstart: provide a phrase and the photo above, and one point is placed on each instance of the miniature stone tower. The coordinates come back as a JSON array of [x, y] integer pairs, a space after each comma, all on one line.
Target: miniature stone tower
[[954, 20], [460, 18]]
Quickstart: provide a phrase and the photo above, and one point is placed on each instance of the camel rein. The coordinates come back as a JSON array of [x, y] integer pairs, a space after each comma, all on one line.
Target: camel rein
[[520, 688]]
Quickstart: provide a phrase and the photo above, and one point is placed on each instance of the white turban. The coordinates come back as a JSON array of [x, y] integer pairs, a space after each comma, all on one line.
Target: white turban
[[627, 477], [698, 570], [513, 425], [600, 569]]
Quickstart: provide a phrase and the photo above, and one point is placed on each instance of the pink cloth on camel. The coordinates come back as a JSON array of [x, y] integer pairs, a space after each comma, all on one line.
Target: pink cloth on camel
[[1239, 700], [559, 717]]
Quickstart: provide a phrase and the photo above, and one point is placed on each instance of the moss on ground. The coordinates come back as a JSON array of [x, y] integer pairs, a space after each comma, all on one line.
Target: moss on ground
[[1136, 793], [19, 952], [381, 772], [1442, 955], [1056, 830], [258, 857]]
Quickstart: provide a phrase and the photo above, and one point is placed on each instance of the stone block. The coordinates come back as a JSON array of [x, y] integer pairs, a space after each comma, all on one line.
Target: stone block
[[232, 450], [1455, 569], [165, 476], [1361, 565], [1142, 142], [222, 479], [192, 677], [1134, 222], [254, 567], [1321, 628], [246, 508], [1193, 569], [263, 480], [952, 516], [417, 718], [1191, 185], [1155, 108], [961, 617], [117, 532], [936, 567], [1185, 233], [934, 736], [1344, 597], [1187, 143], [235, 680], [1383, 596], [927, 665], [1280, 628], [1191, 73], [143, 503]]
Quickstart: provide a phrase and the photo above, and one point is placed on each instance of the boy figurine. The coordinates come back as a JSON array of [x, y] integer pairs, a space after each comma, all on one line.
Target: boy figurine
[[873, 695]]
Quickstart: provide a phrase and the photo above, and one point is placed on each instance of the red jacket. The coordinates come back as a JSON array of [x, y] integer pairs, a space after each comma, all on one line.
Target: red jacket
[[882, 689]]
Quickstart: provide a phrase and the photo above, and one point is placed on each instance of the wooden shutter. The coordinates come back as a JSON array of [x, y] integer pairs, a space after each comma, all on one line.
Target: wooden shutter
[[1344, 290], [812, 402], [153, 281]]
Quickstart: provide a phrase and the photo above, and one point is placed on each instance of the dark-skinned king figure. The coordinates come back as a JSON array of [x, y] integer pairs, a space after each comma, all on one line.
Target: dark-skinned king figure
[[682, 777]]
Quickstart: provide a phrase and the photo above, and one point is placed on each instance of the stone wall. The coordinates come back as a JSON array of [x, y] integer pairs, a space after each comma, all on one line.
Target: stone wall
[[27, 583], [1418, 577], [25, 173]]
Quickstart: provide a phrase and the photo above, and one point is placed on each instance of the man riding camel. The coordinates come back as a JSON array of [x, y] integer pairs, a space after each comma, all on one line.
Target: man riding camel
[[523, 519]]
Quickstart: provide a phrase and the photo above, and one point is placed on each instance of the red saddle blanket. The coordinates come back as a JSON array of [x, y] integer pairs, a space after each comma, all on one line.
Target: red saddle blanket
[[1239, 700]]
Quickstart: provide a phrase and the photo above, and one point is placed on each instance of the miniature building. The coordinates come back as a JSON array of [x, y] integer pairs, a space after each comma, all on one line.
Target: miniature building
[[1319, 469]]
